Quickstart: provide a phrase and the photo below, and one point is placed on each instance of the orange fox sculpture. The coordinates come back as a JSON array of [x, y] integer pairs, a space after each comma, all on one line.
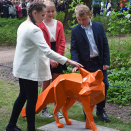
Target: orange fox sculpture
[[85, 87]]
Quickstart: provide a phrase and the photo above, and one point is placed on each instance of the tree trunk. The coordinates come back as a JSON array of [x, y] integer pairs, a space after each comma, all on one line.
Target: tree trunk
[[68, 15]]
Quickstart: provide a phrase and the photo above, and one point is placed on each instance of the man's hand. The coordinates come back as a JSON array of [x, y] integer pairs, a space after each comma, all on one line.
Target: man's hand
[[53, 63], [74, 69], [105, 67]]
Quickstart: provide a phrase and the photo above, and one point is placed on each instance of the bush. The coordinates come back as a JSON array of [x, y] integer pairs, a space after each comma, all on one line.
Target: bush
[[119, 77], [102, 19], [60, 16], [119, 23], [120, 55], [8, 30]]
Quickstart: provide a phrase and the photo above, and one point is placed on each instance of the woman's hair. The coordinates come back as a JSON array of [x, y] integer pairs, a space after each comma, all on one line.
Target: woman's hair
[[49, 3], [110, 8], [38, 6], [82, 10]]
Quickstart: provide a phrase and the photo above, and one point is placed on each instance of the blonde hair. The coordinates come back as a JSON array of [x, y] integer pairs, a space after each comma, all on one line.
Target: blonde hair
[[49, 3], [82, 10], [61, 2]]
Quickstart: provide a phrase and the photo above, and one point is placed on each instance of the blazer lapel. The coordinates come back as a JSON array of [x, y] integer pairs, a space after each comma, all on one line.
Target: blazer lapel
[[95, 33], [82, 31]]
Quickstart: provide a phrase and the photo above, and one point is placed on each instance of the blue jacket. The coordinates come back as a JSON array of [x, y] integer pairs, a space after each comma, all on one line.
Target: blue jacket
[[0, 8], [80, 50], [5, 8]]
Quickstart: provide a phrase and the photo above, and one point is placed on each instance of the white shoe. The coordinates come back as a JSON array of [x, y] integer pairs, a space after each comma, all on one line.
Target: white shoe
[[45, 113], [59, 114]]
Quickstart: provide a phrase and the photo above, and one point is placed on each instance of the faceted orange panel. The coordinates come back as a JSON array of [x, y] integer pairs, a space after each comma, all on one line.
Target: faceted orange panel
[[85, 87]]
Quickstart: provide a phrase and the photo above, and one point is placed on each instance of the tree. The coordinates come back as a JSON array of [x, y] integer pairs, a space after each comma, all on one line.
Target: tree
[[68, 15]]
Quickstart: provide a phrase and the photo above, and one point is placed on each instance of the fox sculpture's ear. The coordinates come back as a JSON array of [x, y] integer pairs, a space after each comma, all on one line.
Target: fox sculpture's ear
[[83, 72], [98, 75]]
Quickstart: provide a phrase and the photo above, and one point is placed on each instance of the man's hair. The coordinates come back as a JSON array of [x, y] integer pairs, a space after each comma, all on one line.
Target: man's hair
[[82, 10]]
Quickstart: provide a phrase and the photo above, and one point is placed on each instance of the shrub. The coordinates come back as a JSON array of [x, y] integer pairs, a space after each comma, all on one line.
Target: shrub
[[8, 30], [119, 23], [119, 77], [60, 16], [120, 56]]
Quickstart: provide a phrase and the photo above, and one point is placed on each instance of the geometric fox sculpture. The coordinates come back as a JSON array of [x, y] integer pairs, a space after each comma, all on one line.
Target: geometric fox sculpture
[[87, 88]]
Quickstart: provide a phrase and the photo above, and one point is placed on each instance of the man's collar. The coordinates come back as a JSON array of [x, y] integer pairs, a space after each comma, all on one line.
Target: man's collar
[[83, 27]]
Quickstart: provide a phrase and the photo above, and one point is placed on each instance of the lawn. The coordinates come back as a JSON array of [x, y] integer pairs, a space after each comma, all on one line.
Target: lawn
[[9, 92]]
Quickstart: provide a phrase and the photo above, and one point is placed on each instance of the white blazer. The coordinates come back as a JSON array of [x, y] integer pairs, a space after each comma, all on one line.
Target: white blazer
[[30, 60]]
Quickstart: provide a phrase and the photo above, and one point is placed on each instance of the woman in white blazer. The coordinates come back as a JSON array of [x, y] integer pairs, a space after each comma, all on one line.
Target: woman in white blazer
[[28, 66]]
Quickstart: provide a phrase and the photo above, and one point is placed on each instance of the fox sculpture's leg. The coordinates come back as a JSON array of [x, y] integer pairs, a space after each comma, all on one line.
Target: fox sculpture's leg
[[90, 124], [60, 98], [68, 104], [56, 109], [87, 120]]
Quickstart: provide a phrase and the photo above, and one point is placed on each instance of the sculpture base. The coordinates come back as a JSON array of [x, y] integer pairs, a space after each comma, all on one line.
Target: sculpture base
[[76, 126]]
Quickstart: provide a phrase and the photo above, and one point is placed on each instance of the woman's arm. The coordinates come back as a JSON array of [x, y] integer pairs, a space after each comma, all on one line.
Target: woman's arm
[[36, 36]]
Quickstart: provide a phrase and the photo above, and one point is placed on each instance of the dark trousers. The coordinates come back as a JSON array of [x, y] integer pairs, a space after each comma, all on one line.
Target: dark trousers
[[93, 66], [12, 16], [96, 10], [5, 14], [29, 92]]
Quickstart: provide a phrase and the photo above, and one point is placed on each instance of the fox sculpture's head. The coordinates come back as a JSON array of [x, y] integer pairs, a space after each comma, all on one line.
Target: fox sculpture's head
[[92, 85]]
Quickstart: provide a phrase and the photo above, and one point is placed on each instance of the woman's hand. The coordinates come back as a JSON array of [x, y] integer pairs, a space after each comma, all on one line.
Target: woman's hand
[[73, 63], [53, 63]]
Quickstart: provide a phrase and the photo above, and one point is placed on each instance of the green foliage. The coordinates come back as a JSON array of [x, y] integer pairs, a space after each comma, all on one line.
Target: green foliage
[[60, 16], [119, 24], [120, 57], [69, 67], [120, 74], [68, 55], [67, 52], [113, 25], [8, 30], [120, 71], [74, 3], [119, 77], [102, 19]]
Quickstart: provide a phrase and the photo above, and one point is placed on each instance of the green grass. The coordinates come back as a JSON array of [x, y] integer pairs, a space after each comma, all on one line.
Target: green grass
[[9, 92]]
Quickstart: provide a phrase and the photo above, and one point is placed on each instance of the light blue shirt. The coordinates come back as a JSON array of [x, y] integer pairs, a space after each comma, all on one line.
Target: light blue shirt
[[96, 2], [92, 43]]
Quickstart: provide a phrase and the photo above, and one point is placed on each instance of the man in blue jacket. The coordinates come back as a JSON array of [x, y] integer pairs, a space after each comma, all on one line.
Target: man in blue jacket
[[89, 46], [0, 8], [96, 4], [5, 8]]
